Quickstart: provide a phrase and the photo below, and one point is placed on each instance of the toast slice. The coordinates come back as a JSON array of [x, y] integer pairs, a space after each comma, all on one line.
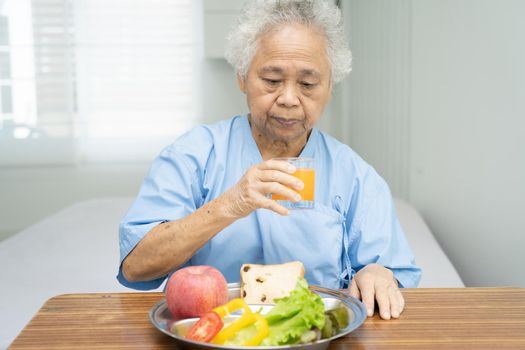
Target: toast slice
[[261, 284]]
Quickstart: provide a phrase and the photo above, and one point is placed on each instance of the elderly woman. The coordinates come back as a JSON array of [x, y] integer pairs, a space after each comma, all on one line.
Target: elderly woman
[[206, 199]]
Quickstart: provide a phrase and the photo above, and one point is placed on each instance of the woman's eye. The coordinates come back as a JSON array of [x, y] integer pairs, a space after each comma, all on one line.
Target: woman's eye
[[307, 85], [272, 81]]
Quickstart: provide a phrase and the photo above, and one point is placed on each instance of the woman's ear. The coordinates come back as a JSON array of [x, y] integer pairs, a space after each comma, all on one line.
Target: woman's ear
[[330, 91], [242, 85]]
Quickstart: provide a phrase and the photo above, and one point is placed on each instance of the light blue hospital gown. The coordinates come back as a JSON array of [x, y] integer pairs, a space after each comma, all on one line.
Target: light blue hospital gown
[[353, 224]]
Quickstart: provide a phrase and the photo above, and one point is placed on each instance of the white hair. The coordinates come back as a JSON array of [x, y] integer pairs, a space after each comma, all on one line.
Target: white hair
[[261, 16]]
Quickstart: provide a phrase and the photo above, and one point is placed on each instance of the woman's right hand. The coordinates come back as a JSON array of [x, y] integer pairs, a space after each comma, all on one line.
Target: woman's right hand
[[253, 189]]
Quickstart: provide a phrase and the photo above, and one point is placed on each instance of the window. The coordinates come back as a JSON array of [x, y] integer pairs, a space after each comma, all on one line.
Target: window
[[95, 80]]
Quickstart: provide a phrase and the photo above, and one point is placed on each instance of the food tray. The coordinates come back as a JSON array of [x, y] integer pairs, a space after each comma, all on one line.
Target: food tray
[[161, 318]]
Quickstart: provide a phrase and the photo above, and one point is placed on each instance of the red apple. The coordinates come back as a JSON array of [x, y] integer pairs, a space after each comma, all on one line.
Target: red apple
[[194, 290]]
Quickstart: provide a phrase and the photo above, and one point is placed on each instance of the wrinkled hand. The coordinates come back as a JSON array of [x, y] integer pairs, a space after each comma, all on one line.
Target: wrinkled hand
[[252, 190], [376, 282]]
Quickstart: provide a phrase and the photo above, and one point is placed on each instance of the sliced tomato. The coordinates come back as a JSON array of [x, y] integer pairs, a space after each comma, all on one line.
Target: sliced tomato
[[205, 328]]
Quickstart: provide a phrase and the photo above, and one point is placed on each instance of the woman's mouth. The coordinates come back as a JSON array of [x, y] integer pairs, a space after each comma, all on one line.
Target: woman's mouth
[[286, 122]]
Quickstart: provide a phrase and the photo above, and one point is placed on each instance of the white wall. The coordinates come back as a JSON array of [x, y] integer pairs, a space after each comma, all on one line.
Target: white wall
[[468, 133], [377, 92], [221, 97], [466, 122]]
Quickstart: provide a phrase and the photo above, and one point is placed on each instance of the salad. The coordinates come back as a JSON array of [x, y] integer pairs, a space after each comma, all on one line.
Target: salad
[[298, 318]]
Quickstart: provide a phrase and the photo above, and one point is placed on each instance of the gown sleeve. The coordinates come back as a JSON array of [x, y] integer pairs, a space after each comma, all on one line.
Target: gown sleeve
[[376, 236], [169, 192]]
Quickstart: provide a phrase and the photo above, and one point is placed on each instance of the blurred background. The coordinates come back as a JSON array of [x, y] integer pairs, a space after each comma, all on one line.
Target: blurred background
[[92, 90]]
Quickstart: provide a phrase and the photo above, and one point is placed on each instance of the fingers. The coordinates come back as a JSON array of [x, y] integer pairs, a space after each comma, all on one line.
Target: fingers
[[376, 282], [394, 303], [259, 199], [281, 165], [273, 172], [383, 301], [401, 300], [397, 302], [367, 296], [354, 291], [276, 188], [273, 205], [273, 176], [280, 177], [388, 301], [269, 177]]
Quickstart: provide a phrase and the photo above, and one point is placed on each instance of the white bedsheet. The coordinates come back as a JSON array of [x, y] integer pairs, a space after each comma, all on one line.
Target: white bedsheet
[[76, 251]]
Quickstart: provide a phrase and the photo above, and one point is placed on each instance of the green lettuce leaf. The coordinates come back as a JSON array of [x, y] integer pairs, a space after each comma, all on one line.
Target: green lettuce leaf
[[242, 336], [293, 315], [289, 319]]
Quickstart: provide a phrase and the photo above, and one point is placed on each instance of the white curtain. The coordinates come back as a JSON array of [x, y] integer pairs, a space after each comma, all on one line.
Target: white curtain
[[95, 80]]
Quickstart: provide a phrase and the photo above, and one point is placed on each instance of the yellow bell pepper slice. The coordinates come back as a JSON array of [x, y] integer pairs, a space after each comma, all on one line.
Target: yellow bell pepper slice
[[232, 329], [262, 331], [247, 318], [231, 306]]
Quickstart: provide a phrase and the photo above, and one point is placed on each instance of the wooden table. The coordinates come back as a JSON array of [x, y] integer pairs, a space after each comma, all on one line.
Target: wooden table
[[473, 318]]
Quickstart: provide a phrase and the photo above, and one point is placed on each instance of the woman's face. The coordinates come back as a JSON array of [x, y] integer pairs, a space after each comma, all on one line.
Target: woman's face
[[288, 83]]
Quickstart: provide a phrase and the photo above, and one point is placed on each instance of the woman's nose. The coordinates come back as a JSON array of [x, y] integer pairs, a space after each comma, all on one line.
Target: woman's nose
[[288, 96]]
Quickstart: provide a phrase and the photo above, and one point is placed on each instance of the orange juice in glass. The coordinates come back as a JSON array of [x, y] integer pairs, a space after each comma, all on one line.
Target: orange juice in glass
[[306, 173]]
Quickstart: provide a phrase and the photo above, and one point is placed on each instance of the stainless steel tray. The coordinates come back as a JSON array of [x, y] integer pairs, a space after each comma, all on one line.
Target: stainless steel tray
[[161, 318]]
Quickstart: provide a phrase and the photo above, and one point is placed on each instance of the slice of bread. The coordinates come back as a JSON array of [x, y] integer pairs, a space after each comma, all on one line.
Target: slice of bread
[[261, 284]]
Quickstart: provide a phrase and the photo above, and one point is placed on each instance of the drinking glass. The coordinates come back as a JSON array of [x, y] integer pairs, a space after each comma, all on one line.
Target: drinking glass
[[306, 173]]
